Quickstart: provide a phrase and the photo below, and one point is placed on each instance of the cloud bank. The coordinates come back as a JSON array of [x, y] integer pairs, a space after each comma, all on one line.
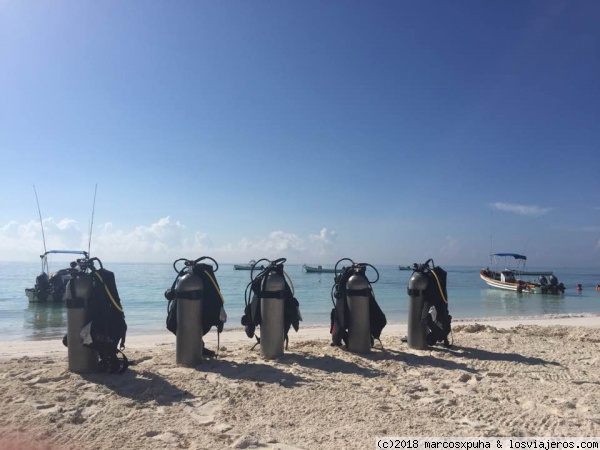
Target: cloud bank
[[523, 210], [162, 241]]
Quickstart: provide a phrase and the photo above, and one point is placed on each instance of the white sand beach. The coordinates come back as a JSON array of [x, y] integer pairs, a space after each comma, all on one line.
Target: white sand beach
[[518, 377]]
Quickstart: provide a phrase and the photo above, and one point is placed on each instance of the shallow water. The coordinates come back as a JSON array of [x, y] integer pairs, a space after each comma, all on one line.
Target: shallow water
[[142, 286]]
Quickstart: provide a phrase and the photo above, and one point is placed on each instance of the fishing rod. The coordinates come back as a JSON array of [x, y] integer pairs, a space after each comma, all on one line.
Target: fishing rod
[[40, 214], [92, 221]]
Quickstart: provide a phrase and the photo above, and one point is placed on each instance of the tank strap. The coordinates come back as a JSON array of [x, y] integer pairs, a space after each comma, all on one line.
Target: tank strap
[[273, 294], [364, 292], [190, 295], [416, 292]]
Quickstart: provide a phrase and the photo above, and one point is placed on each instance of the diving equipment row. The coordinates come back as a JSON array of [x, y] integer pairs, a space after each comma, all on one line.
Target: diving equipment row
[[96, 325]]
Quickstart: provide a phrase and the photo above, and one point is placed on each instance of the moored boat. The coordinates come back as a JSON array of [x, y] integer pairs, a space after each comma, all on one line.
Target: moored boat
[[317, 269], [248, 266], [509, 279], [50, 286]]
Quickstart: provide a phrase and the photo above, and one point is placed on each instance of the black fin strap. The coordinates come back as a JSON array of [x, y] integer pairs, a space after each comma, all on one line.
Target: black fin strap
[[218, 345], [125, 364], [257, 342]]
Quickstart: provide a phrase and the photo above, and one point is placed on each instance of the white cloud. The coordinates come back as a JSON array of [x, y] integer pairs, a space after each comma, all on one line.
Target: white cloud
[[323, 243], [451, 248], [325, 236], [276, 242], [162, 241], [17, 239], [524, 210], [590, 229]]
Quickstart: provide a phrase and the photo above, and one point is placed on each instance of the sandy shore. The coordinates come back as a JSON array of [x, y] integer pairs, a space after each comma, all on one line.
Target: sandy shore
[[502, 378]]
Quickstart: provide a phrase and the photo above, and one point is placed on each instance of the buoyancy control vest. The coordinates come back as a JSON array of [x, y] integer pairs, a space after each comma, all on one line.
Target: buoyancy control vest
[[105, 328], [340, 312], [255, 290], [435, 315], [213, 311]]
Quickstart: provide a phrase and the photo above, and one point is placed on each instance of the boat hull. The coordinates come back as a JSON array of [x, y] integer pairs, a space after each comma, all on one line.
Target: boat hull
[[520, 286], [310, 269], [38, 296], [246, 267], [508, 286]]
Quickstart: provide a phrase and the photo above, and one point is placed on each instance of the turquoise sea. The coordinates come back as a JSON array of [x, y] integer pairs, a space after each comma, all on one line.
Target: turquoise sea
[[141, 288]]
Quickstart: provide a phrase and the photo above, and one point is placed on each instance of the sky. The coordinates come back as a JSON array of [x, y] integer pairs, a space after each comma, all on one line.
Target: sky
[[388, 132]]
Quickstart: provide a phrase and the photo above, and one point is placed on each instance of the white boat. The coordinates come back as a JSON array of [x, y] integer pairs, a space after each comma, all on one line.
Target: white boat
[[318, 269], [509, 278], [50, 287], [248, 266]]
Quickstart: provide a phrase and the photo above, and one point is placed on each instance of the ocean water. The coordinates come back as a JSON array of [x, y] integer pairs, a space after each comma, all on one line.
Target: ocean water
[[142, 286]]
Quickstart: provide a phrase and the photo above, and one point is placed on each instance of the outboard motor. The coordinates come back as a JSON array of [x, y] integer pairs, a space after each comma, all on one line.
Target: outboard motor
[[428, 319], [543, 284], [42, 287], [42, 281], [556, 287], [81, 358], [195, 305], [273, 307], [356, 318]]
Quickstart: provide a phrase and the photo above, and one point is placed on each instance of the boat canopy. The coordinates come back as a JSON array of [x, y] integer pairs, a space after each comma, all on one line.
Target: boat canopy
[[513, 255], [77, 252]]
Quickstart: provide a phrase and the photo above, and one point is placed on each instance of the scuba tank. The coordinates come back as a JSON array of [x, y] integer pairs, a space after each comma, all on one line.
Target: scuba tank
[[356, 318], [96, 325], [81, 358], [270, 304], [428, 319], [417, 328], [195, 305]]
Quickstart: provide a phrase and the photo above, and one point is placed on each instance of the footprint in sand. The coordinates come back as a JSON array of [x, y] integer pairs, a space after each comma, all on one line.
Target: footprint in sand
[[44, 407], [253, 442], [168, 437], [204, 413], [476, 425]]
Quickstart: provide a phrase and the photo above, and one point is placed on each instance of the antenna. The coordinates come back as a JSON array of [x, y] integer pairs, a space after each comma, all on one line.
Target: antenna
[[491, 230], [92, 222], [40, 214]]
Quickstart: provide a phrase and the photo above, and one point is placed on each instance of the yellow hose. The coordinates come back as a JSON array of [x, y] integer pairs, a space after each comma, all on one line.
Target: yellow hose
[[215, 285], [119, 307], [290, 280], [440, 287]]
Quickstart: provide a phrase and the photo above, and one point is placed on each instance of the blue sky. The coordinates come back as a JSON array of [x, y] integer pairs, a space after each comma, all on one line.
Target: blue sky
[[388, 132]]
